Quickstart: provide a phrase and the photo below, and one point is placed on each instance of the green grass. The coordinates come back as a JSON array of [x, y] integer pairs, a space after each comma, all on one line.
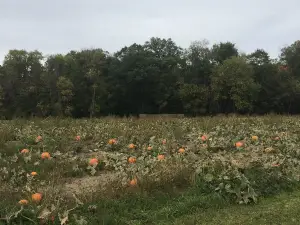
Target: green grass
[[280, 209], [193, 208], [188, 208]]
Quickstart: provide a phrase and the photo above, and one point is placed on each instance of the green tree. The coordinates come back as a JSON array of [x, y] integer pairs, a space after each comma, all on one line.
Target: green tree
[[259, 57], [144, 78], [88, 70], [169, 61], [233, 86], [222, 51], [129, 80], [155, 77], [65, 90], [55, 66], [198, 59], [290, 56], [194, 98], [21, 82], [2, 109]]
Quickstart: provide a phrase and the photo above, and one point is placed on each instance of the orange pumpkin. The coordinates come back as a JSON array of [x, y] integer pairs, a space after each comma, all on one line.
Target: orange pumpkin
[[24, 151], [181, 150], [160, 157], [239, 144], [45, 155], [23, 202], [131, 146], [254, 138], [33, 173], [204, 138], [37, 197], [38, 138], [112, 141], [131, 159], [93, 162], [77, 138], [133, 182], [149, 148]]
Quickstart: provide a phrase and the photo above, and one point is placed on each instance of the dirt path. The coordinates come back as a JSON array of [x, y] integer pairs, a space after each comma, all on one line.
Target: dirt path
[[90, 184]]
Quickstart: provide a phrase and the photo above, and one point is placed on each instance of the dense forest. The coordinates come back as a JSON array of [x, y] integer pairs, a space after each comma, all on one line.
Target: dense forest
[[154, 78]]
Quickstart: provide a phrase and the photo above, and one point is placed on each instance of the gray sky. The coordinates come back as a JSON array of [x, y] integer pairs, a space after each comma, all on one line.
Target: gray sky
[[58, 26]]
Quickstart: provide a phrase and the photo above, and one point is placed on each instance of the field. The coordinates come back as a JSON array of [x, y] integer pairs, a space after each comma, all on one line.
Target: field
[[220, 170]]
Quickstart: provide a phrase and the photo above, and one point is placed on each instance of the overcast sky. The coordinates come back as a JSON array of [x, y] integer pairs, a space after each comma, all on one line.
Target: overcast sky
[[58, 26]]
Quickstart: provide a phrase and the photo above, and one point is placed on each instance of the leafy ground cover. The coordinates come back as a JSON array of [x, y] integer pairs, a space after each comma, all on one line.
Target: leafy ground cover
[[162, 171]]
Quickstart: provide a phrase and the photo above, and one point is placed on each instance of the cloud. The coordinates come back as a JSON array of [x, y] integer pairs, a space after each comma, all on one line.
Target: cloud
[[60, 26]]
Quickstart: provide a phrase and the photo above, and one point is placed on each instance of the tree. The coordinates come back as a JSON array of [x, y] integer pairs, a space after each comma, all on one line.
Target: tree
[[199, 66], [65, 92], [2, 106], [168, 58], [21, 82], [144, 78], [87, 70], [55, 67], [223, 51], [155, 77], [259, 57], [194, 98], [2, 109], [233, 86], [290, 56], [130, 80]]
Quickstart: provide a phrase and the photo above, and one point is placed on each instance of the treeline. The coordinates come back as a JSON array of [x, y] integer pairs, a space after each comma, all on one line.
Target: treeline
[[156, 77]]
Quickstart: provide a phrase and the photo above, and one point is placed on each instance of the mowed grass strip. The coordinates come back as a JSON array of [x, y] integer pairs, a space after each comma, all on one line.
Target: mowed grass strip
[[191, 208], [282, 209]]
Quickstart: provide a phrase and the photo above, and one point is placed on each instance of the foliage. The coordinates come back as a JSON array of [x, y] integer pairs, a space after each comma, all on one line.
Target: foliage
[[233, 86], [157, 77], [194, 98]]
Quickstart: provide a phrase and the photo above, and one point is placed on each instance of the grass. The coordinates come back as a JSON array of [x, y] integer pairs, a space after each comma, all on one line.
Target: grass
[[154, 209], [201, 185], [281, 209], [192, 207]]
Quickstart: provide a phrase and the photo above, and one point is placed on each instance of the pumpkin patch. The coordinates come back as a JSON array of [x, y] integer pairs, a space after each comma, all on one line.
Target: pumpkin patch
[[154, 152]]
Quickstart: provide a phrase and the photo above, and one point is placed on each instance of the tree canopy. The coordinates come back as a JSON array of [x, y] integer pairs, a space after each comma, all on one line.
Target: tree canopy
[[156, 77]]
